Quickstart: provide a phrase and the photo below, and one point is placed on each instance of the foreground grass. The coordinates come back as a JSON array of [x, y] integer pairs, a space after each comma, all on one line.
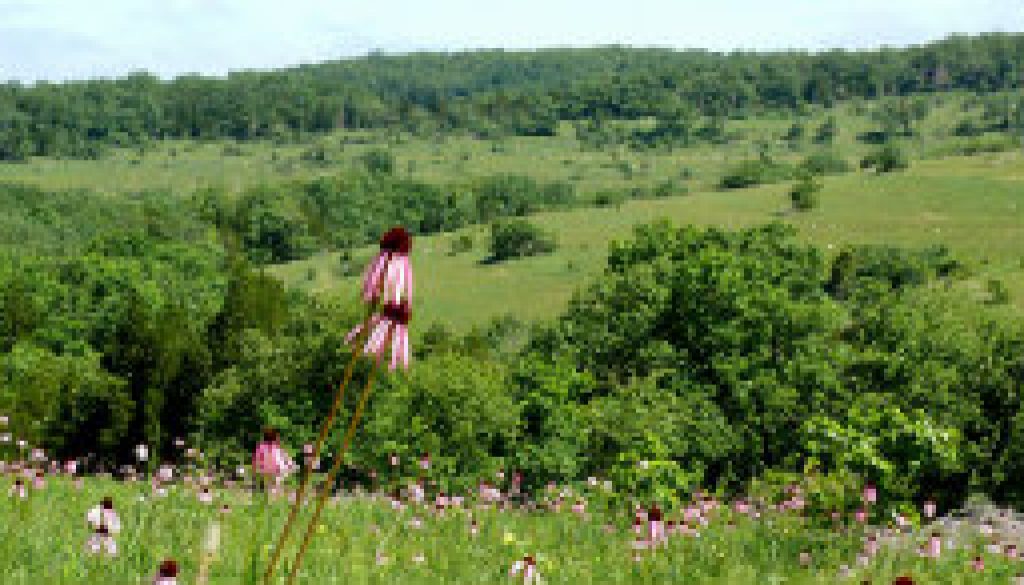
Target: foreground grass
[[42, 540], [973, 205]]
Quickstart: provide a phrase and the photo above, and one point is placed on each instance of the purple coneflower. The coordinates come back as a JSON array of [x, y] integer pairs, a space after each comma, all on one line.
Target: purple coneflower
[[389, 275], [269, 459], [527, 567], [167, 574], [19, 490], [392, 320]]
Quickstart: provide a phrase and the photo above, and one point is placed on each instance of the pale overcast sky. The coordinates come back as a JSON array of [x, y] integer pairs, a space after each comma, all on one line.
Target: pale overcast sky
[[61, 39]]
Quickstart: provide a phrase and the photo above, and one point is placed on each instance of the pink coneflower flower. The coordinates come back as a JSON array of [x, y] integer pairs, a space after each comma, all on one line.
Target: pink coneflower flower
[[934, 549], [978, 564], [527, 567], [18, 490], [269, 459], [103, 515], [205, 496], [870, 494], [39, 482], [38, 455], [474, 529], [579, 508], [167, 574], [871, 546], [861, 516], [102, 541], [655, 526], [389, 275], [1012, 552], [425, 461], [392, 320], [71, 467], [929, 509], [165, 473]]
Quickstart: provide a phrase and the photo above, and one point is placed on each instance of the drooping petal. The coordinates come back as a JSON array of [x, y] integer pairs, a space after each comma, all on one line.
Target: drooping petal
[[373, 274], [405, 346], [407, 264], [396, 347], [376, 344]]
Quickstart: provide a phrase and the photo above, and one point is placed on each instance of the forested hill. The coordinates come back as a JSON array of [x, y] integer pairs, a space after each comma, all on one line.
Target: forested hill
[[486, 93]]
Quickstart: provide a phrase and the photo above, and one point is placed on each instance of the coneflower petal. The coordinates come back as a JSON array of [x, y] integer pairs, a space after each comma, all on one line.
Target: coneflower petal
[[407, 267], [372, 276], [373, 346], [405, 346], [396, 347]]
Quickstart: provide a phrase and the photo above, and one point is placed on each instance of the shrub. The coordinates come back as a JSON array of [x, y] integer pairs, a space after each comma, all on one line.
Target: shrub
[[825, 163], [804, 193], [378, 161], [609, 198], [886, 159], [517, 238], [463, 243], [755, 172]]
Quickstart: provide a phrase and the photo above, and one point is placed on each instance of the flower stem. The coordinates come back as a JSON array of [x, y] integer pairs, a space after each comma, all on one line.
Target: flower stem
[[335, 468], [307, 472]]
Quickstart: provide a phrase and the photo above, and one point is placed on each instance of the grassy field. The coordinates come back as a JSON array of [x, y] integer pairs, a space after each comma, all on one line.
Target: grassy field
[[974, 205], [182, 166], [364, 541]]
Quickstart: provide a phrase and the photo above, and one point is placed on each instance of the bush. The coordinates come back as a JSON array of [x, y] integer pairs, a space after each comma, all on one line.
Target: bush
[[463, 243], [379, 161], [825, 163], [887, 159], [609, 198], [517, 238], [755, 172], [804, 193]]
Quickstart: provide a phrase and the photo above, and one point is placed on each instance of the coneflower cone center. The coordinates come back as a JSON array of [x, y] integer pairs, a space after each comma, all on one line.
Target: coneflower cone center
[[396, 240], [396, 313]]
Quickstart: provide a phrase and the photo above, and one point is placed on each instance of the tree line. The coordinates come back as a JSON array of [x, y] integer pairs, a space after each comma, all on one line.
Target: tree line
[[485, 93]]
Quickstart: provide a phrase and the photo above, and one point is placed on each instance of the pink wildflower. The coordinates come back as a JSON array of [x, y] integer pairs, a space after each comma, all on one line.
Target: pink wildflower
[[167, 574], [270, 459], [389, 275], [102, 541], [527, 567], [18, 490], [870, 494], [103, 515], [929, 509], [392, 320], [978, 564]]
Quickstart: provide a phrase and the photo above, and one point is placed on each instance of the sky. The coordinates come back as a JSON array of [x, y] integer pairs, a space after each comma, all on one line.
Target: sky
[[75, 39]]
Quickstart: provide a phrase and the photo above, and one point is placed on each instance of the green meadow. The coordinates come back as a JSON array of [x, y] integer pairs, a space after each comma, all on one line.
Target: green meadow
[[973, 205]]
